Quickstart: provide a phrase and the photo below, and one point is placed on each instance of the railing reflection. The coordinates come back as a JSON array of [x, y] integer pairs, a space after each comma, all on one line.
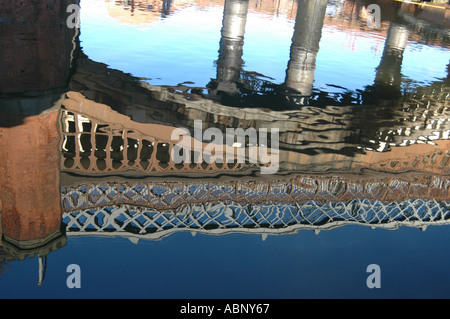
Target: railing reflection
[[103, 141], [96, 139], [155, 210]]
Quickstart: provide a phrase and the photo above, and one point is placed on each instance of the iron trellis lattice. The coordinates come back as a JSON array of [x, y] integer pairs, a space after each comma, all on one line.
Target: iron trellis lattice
[[158, 210]]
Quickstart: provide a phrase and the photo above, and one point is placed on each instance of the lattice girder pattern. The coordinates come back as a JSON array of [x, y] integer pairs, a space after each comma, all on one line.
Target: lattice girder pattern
[[154, 210], [267, 218]]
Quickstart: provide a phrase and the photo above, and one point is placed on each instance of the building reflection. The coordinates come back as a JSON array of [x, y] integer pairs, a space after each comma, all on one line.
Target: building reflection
[[388, 78], [235, 86], [143, 12], [37, 53]]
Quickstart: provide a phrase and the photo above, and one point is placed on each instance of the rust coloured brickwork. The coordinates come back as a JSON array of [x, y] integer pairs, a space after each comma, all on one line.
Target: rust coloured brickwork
[[29, 174]]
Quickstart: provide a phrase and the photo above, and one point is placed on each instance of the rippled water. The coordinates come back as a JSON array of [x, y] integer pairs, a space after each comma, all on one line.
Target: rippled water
[[347, 57]]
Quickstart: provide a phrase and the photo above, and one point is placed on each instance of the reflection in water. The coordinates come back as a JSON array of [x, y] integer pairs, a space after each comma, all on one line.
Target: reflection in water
[[419, 117], [154, 210], [237, 87], [142, 12], [388, 78], [120, 144], [313, 139], [100, 144], [234, 86], [229, 64], [30, 198], [29, 166], [305, 46]]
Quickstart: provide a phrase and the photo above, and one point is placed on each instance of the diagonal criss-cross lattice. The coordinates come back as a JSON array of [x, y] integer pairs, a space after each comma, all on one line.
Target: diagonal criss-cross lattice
[[154, 210]]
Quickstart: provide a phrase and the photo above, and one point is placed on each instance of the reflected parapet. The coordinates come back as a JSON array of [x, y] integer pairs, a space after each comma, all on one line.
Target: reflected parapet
[[97, 140], [155, 210]]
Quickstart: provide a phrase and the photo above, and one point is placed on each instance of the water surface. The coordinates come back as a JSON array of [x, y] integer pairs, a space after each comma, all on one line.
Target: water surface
[[363, 162]]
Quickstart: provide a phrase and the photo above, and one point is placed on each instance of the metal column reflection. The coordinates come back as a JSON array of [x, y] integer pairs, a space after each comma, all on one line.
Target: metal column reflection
[[388, 77], [304, 47], [229, 64]]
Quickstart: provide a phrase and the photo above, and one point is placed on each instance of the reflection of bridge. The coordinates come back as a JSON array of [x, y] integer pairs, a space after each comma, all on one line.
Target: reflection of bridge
[[96, 139], [92, 138], [155, 210], [100, 140], [343, 124], [236, 87], [420, 118]]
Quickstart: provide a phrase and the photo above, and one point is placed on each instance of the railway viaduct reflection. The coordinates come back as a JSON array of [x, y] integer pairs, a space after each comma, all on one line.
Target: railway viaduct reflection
[[105, 121]]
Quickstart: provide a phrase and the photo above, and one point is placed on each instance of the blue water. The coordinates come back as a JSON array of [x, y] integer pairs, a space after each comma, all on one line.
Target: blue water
[[184, 47], [332, 264]]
